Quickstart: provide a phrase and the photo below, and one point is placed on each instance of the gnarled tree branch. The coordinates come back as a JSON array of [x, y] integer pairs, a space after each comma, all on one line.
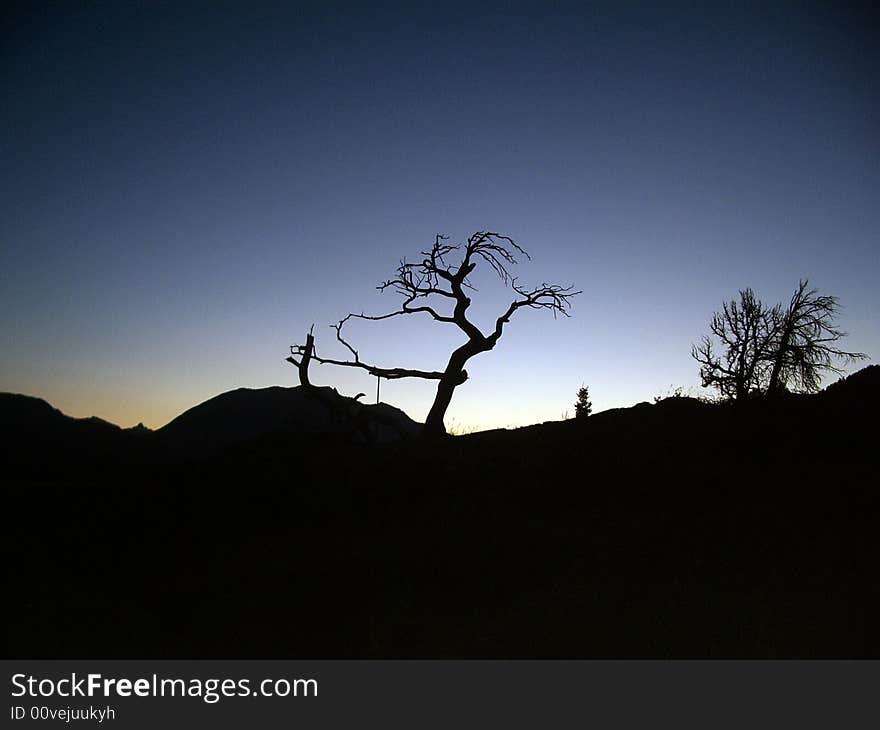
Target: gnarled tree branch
[[423, 285]]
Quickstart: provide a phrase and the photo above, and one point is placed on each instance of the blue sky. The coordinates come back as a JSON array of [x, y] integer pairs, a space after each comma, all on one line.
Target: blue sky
[[187, 188]]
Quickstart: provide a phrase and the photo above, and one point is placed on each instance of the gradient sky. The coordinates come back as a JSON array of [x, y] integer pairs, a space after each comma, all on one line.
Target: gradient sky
[[188, 186]]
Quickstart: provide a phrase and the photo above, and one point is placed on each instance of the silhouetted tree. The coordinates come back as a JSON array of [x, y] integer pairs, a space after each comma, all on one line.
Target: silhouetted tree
[[734, 360], [304, 353], [433, 280], [804, 343], [583, 407]]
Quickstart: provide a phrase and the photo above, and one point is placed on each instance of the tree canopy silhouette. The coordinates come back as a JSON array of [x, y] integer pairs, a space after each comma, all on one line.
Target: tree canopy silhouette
[[442, 276], [734, 359], [754, 348], [804, 346]]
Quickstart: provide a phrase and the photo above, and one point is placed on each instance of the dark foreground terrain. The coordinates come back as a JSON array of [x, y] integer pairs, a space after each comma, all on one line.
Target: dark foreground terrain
[[678, 529]]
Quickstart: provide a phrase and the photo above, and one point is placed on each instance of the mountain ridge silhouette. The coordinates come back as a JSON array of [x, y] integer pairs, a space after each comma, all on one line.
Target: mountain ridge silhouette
[[676, 529], [248, 414]]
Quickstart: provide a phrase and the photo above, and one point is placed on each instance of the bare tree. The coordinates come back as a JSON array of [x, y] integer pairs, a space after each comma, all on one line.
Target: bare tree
[[423, 285], [804, 348], [734, 360], [304, 353]]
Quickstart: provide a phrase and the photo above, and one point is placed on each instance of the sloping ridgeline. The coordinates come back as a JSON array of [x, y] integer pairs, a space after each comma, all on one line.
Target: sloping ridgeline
[[45, 444], [247, 415]]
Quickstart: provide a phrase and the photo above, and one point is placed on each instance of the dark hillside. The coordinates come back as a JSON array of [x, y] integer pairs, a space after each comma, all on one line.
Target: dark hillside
[[244, 415], [41, 443], [679, 529], [26, 415]]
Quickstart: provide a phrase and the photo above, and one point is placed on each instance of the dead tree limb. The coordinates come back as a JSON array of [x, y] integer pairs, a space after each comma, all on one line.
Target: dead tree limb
[[305, 353]]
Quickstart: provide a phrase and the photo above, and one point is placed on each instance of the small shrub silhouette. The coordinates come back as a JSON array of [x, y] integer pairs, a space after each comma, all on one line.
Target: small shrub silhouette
[[583, 407]]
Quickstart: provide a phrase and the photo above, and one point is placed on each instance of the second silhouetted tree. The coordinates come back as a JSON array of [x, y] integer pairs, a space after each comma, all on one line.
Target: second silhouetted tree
[[804, 345], [756, 349]]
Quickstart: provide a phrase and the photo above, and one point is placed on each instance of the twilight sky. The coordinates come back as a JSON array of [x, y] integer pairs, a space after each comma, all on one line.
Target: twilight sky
[[188, 186]]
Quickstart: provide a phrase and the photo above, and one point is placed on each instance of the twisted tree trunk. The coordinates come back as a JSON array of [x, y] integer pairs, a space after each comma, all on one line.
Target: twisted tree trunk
[[453, 376]]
